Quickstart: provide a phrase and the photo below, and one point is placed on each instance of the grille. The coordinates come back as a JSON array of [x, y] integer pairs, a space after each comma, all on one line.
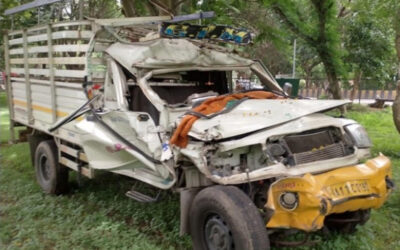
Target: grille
[[308, 141], [324, 153]]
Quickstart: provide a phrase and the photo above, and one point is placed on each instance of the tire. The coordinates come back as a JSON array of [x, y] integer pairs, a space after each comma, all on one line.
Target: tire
[[346, 222], [224, 217], [51, 176]]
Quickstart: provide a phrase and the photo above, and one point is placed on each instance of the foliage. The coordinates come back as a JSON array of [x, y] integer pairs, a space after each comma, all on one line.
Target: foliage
[[308, 61], [315, 22], [91, 8], [132, 8], [271, 43], [369, 45], [27, 18]]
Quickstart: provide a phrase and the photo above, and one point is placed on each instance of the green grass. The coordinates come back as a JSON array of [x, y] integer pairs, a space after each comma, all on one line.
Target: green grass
[[99, 216], [4, 121]]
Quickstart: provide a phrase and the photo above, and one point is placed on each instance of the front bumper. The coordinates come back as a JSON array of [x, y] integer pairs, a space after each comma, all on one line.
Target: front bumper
[[351, 188]]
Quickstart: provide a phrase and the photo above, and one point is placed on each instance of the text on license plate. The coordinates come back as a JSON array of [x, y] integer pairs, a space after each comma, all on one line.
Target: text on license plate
[[349, 188]]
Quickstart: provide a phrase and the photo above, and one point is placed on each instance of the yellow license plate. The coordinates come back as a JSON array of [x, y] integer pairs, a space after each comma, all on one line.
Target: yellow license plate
[[349, 188]]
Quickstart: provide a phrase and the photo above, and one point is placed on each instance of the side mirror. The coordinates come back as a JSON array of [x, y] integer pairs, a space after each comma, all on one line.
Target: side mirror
[[287, 88]]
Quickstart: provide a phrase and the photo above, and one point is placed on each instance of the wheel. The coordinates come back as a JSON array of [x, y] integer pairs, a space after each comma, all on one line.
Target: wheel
[[51, 176], [224, 217], [347, 222]]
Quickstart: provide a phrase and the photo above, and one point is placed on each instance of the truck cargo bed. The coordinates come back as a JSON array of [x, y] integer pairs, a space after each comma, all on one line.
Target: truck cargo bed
[[46, 66]]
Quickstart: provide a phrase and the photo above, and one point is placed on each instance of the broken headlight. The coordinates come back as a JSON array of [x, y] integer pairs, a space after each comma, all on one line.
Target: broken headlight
[[289, 200], [358, 135]]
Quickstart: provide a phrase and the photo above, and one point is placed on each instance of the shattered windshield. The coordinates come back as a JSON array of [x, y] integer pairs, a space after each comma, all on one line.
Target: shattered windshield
[[244, 80]]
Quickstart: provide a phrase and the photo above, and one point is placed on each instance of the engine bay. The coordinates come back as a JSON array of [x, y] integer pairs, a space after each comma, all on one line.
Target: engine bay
[[290, 150]]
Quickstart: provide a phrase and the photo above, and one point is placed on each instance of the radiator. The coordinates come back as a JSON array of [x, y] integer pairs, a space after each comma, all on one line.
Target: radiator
[[323, 153]]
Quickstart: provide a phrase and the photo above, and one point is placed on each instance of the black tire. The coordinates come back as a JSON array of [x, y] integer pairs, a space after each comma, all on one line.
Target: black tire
[[346, 223], [225, 216], [51, 176]]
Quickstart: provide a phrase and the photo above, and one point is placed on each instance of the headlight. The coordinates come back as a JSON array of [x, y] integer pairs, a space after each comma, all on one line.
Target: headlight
[[358, 135], [289, 200]]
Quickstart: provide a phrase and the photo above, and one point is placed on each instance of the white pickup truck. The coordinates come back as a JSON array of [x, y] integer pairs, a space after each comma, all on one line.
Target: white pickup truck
[[110, 94]]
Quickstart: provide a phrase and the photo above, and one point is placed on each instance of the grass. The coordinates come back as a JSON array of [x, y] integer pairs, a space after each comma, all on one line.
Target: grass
[[99, 216]]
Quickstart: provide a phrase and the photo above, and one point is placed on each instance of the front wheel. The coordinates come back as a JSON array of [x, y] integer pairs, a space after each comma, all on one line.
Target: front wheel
[[224, 217]]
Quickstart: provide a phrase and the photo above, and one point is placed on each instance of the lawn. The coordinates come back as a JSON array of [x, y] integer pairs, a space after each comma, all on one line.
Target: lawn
[[99, 216]]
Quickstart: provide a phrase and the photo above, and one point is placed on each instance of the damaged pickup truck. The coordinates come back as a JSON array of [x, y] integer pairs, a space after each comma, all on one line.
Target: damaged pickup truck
[[247, 165]]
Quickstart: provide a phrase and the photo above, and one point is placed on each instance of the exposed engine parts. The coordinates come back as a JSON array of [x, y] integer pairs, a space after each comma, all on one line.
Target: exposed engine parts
[[290, 150]]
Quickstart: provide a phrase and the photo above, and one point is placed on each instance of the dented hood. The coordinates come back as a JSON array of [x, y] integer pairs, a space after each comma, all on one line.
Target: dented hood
[[252, 115]]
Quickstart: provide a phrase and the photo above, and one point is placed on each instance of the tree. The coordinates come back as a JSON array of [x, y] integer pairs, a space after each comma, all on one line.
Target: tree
[[271, 43], [369, 47], [396, 26], [132, 8], [308, 59], [25, 19], [396, 104], [315, 22], [396, 108], [90, 8]]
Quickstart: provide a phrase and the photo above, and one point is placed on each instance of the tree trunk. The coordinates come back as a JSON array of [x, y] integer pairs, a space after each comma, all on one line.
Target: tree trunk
[[396, 103], [396, 27], [128, 8], [308, 79], [397, 45], [356, 84], [396, 108], [331, 72], [334, 87]]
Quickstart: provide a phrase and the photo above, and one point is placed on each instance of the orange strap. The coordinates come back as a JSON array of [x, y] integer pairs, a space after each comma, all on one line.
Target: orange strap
[[210, 106]]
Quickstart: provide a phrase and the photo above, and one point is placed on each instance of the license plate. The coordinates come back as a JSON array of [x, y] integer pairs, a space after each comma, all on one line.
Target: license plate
[[349, 188]]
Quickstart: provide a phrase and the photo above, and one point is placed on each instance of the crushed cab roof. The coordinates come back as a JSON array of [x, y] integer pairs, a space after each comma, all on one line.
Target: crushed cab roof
[[166, 53]]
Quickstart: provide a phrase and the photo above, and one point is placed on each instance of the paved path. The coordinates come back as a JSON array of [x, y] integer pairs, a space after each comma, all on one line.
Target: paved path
[[369, 101]]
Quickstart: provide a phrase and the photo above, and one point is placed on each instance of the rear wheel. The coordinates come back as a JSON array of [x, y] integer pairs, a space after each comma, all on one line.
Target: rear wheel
[[347, 222], [51, 176], [224, 217]]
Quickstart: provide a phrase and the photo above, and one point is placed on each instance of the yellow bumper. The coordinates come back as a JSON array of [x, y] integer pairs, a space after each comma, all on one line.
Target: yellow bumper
[[349, 188]]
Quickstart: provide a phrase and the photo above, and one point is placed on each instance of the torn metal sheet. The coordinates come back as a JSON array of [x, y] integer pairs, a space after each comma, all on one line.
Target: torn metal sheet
[[270, 171], [168, 53], [119, 81], [302, 124], [253, 115]]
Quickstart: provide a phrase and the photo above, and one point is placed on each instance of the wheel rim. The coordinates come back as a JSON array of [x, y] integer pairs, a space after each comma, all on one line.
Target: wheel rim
[[218, 236], [45, 170]]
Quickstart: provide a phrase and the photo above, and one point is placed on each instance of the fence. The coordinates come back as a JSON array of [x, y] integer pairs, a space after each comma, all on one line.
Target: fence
[[359, 94]]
